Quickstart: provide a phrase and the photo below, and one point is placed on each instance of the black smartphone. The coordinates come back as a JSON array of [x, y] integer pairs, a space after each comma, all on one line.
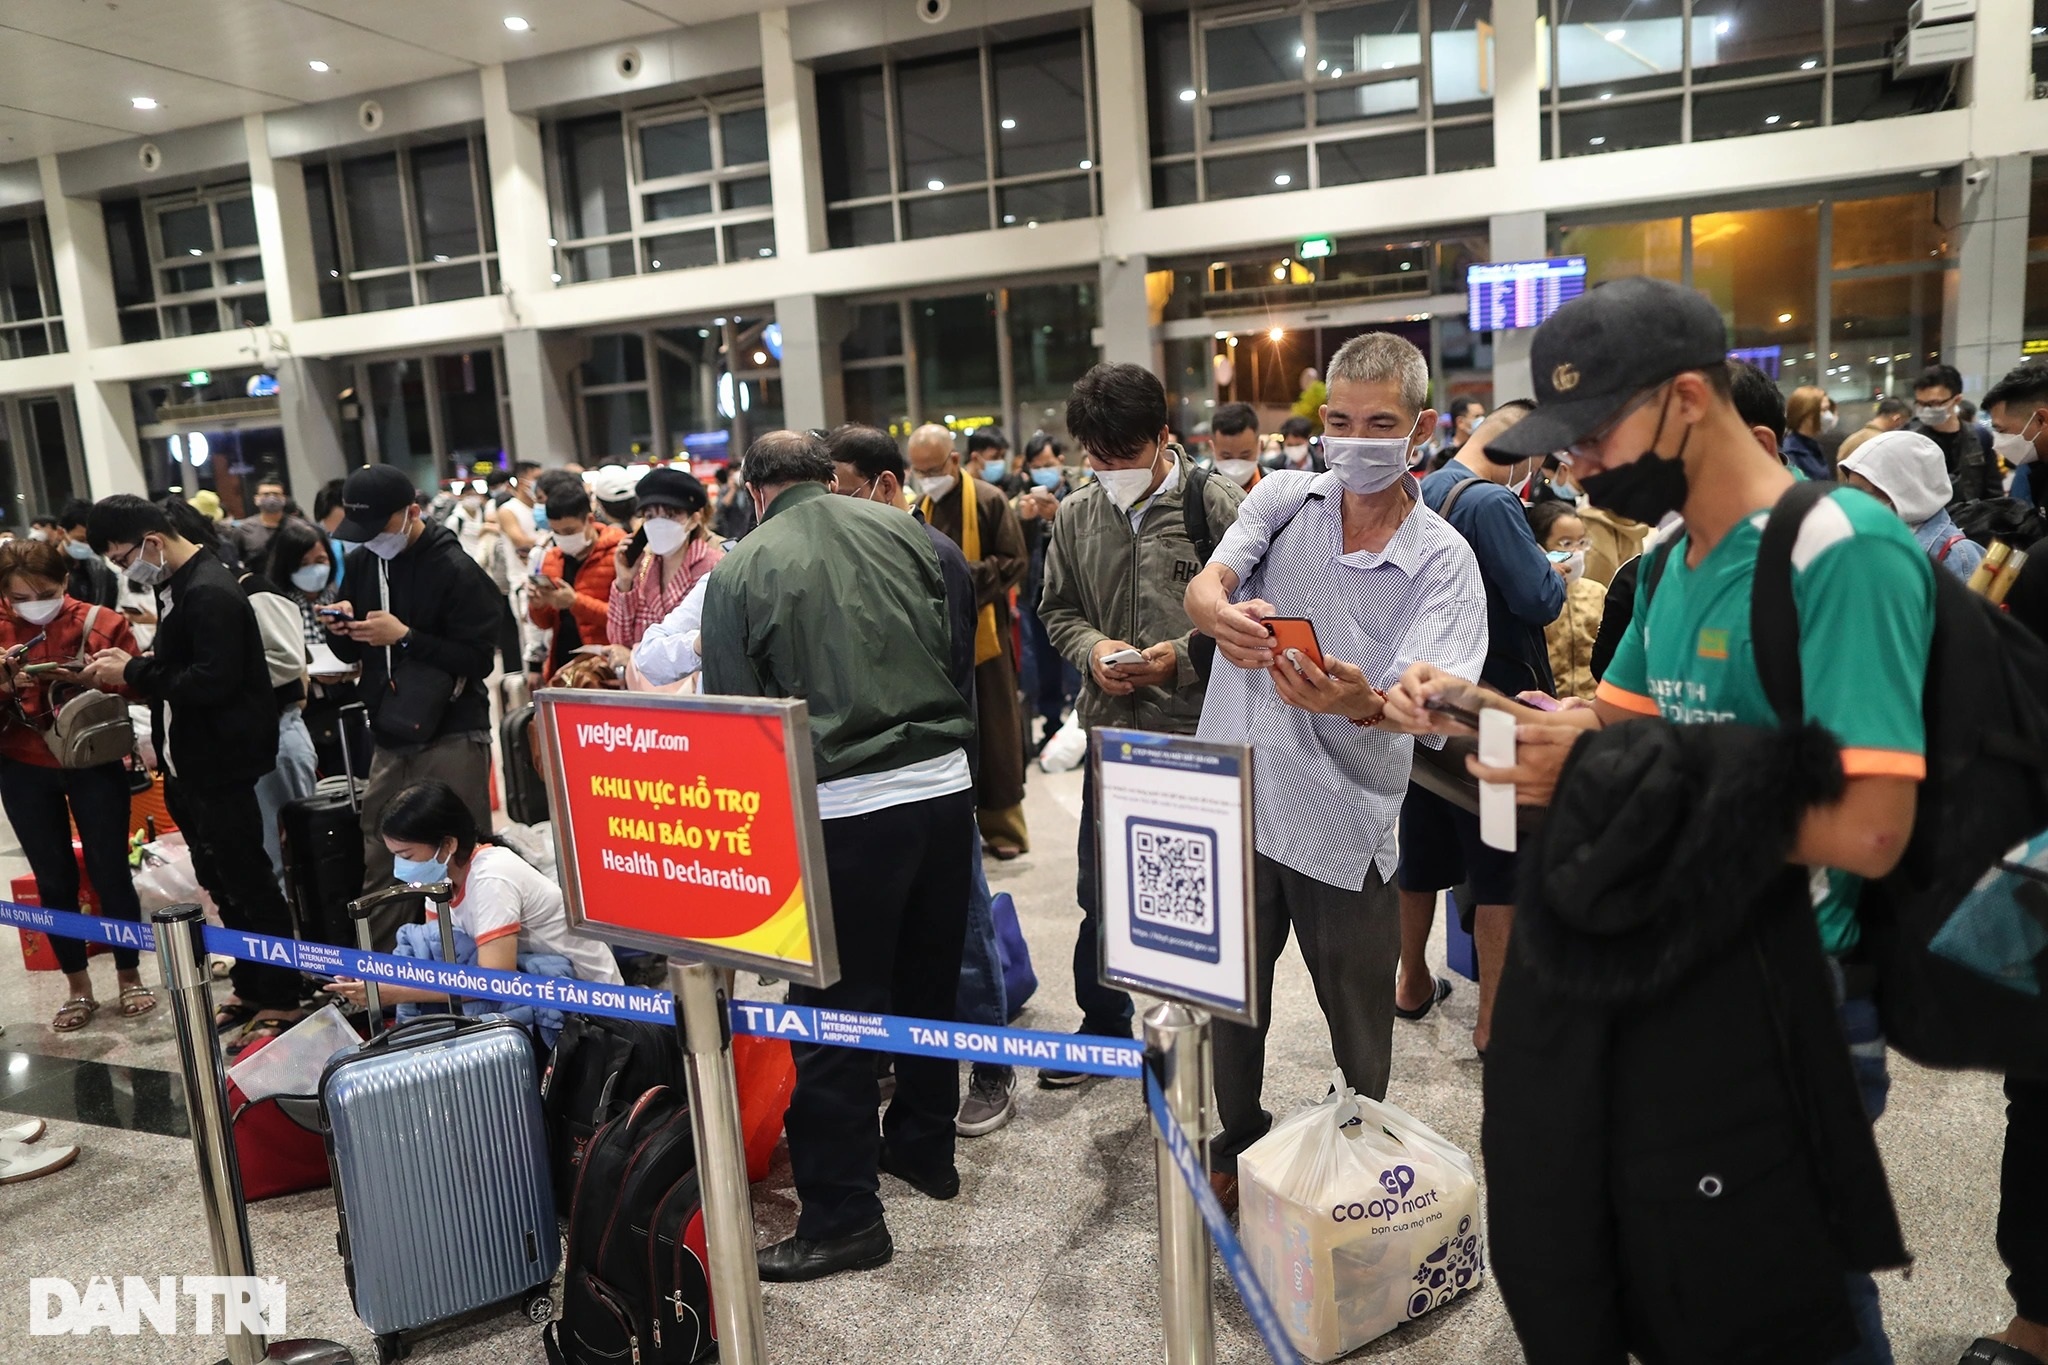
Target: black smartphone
[[1460, 714]]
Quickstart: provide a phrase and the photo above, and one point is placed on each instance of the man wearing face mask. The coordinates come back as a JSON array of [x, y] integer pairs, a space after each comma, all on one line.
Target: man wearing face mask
[[1234, 443], [1775, 1046], [250, 536], [1385, 582], [420, 619], [571, 595], [2018, 408], [980, 520], [1964, 445], [90, 579], [988, 459], [1295, 451]]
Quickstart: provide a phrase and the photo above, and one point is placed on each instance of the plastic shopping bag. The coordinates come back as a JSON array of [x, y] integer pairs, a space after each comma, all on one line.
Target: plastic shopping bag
[[165, 878], [1357, 1218], [1067, 749]]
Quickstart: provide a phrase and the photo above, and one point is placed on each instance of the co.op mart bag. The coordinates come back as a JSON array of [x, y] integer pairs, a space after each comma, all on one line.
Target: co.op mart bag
[[1357, 1218]]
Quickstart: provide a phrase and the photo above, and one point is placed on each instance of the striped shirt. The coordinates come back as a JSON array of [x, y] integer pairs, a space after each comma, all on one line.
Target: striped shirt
[[1327, 792], [641, 597]]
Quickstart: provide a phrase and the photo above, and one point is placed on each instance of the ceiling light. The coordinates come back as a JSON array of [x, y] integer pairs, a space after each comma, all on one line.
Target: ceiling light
[[1032, 224], [1784, 317], [1223, 336], [1279, 272], [440, 258], [552, 242], [1723, 28], [935, 184], [1299, 52], [1009, 218], [718, 322], [1187, 97], [334, 274], [1770, 118], [1323, 65], [1407, 265], [194, 251], [1596, 142], [1087, 165], [1277, 334], [320, 66], [1615, 35], [2039, 31], [556, 278], [516, 24], [144, 102], [1283, 179], [654, 265], [760, 357], [1606, 94], [1809, 64], [767, 251], [1008, 124], [1336, 71]]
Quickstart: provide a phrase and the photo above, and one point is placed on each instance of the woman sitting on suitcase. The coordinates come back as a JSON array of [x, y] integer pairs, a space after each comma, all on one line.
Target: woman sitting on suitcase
[[501, 900], [41, 632]]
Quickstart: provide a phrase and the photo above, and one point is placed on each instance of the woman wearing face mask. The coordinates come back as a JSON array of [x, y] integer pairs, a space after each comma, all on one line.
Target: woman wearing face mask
[[301, 556], [1562, 534], [44, 626], [655, 570], [502, 902], [1804, 411]]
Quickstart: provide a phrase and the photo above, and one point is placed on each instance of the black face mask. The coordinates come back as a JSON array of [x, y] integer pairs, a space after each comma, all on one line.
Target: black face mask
[[1646, 490]]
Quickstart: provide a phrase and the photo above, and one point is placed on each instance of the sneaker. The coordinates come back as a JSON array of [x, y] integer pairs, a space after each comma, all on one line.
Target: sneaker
[[1052, 1078], [991, 1102]]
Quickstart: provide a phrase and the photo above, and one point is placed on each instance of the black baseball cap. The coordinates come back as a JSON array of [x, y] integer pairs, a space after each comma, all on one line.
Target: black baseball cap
[[664, 486], [369, 498], [1599, 351]]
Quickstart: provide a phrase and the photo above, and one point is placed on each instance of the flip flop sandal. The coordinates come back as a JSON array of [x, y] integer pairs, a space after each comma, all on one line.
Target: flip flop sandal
[[232, 1016], [74, 1014], [23, 1163], [257, 1032], [24, 1133], [136, 1001], [1436, 997], [1985, 1351]]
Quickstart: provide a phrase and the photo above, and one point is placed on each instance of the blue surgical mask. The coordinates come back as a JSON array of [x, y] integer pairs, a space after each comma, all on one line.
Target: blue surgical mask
[[309, 577], [78, 549], [1047, 476], [540, 518], [995, 469], [418, 870]]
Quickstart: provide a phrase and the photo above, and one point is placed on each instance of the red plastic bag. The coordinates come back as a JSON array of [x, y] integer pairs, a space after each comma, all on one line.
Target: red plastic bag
[[766, 1074]]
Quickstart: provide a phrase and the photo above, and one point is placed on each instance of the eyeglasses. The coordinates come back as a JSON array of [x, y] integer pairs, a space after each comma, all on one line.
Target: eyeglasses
[[1589, 445]]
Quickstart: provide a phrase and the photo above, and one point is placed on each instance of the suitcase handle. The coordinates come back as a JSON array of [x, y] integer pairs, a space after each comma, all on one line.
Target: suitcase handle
[[418, 1030], [348, 760], [359, 910]]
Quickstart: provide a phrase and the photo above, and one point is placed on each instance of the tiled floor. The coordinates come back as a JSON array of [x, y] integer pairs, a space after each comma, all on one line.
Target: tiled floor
[[1046, 1256]]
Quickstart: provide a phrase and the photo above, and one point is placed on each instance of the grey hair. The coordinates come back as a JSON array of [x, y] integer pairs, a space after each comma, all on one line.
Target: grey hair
[[1374, 358]]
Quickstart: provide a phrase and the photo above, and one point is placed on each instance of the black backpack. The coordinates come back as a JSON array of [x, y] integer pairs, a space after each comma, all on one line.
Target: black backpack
[[1194, 519], [636, 1284], [1986, 791], [600, 1066]]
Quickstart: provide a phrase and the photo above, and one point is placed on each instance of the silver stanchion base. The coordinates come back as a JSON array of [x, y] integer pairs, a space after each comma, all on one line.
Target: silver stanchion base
[[306, 1351]]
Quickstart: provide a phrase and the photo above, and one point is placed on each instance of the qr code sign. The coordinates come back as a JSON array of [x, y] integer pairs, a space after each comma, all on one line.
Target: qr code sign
[[1173, 877]]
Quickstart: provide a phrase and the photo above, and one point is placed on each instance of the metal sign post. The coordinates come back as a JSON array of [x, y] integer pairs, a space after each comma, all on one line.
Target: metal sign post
[[703, 1018], [181, 958], [1177, 1043]]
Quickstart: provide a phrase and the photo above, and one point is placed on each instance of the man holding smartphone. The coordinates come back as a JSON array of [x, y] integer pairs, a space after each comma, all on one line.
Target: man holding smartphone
[[1386, 583], [1118, 562]]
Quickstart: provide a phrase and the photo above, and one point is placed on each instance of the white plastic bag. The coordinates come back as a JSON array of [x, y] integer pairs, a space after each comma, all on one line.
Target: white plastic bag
[[1357, 1218], [1066, 750], [166, 878], [292, 1064]]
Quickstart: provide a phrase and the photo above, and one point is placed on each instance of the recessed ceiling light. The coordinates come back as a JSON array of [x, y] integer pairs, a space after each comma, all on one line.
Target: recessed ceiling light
[[1187, 97], [1771, 118], [654, 265], [935, 184], [767, 251], [1606, 94], [556, 278], [320, 66], [1615, 35], [1277, 334], [1032, 224], [1087, 165], [760, 357], [516, 24], [1809, 64], [194, 251], [1596, 142], [1723, 28], [1784, 317], [1283, 179], [1323, 65], [144, 102], [1009, 218], [1008, 124]]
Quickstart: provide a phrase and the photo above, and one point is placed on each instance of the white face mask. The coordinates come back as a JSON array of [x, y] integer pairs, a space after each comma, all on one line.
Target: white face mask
[[664, 535], [936, 486], [1126, 486], [2015, 450], [1297, 454], [142, 572], [1574, 567], [575, 545], [310, 577], [1928, 415], [1366, 465], [38, 533], [41, 611], [1238, 472], [390, 543], [1828, 420]]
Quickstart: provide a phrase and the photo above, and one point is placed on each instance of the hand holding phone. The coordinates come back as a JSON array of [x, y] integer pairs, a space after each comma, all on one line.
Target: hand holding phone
[[1295, 633], [1123, 657], [1444, 706]]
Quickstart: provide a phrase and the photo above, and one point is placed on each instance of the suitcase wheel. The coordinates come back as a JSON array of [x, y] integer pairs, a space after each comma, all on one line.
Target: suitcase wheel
[[390, 1347], [540, 1308]]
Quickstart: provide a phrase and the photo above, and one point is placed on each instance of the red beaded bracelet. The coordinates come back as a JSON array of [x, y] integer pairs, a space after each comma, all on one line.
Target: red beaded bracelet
[[1368, 724]]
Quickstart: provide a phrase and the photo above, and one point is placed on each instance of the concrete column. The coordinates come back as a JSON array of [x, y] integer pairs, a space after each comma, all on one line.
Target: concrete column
[[85, 292], [309, 406], [1514, 237], [1517, 94], [1127, 313], [106, 430], [283, 229], [1984, 324], [812, 392], [537, 377], [793, 169], [1125, 154], [519, 195]]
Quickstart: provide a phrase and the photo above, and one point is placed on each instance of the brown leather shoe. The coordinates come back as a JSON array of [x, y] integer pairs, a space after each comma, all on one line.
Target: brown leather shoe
[[1224, 1186]]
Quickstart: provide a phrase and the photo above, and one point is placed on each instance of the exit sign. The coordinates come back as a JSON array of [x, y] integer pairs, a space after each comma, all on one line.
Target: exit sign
[[199, 379], [1314, 248]]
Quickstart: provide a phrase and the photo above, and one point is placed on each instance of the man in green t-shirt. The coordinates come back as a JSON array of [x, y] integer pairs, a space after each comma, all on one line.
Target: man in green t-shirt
[[1632, 384]]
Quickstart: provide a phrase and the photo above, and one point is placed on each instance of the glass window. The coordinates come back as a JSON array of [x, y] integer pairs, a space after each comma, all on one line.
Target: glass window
[[1175, 183], [1041, 109], [376, 211], [380, 292], [1044, 201], [876, 333], [1170, 84], [1368, 101], [21, 294], [682, 250], [609, 262], [468, 387], [1260, 173], [1051, 327], [1618, 45], [1755, 109], [1884, 330], [186, 231], [1615, 250], [398, 392], [242, 270], [1895, 230], [853, 122], [594, 177], [1264, 52], [861, 226], [237, 222], [616, 358], [689, 202], [619, 423], [750, 241], [744, 136], [1464, 147], [452, 282], [877, 396], [1257, 117], [1761, 267], [956, 348], [444, 199], [1736, 38], [1613, 127], [326, 245], [1381, 36], [756, 193], [1461, 57], [1372, 158], [680, 148], [1865, 30], [188, 279], [939, 122], [945, 214]]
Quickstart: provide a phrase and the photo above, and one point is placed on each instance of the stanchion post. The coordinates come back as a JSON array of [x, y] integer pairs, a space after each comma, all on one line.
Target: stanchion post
[[701, 1015], [1177, 1044]]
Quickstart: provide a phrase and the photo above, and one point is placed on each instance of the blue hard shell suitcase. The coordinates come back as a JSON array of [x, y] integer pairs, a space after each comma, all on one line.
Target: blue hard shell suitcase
[[440, 1162]]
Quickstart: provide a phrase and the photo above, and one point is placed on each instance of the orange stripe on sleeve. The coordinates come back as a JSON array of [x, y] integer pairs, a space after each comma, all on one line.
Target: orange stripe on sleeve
[[1883, 763], [1624, 699], [496, 934]]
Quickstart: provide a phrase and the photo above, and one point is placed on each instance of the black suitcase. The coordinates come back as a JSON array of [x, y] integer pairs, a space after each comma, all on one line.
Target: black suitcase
[[320, 838], [526, 796]]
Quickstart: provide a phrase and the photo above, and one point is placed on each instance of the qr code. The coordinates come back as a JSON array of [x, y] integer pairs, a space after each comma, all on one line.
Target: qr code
[[1173, 877]]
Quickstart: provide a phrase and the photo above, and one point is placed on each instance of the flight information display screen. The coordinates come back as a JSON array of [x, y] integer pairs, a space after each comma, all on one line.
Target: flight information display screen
[[1503, 295]]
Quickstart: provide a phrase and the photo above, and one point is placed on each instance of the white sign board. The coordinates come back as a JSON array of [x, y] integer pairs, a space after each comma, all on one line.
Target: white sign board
[[1174, 845]]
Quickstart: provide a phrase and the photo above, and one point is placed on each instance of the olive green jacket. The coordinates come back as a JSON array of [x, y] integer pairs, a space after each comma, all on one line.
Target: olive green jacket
[[1104, 581]]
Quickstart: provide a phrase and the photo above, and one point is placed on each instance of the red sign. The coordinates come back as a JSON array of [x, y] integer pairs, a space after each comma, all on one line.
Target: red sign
[[689, 823]]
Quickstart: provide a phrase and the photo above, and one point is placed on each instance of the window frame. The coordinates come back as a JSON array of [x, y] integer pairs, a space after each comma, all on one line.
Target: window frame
[[485, 258], [50, 320], [991, 184], [1314, 133], [222, 296], [714, 110], [655, 352]]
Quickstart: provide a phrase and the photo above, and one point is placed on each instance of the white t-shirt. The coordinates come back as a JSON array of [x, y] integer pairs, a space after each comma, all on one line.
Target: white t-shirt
[[505, 894]]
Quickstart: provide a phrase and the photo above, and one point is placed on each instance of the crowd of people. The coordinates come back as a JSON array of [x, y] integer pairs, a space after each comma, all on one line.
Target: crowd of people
[[946, 607]]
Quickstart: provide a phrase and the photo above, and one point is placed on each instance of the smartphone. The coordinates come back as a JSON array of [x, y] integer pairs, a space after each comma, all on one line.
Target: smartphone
[[1124, 656], [26, 645], [333, 613], [1560, 556], [1460, 714], [33, 669], [1295, 632], [1539, 701]]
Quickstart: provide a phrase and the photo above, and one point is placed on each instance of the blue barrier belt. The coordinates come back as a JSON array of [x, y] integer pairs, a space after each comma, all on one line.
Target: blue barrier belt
[[761, 1019], [1189, 1163]]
